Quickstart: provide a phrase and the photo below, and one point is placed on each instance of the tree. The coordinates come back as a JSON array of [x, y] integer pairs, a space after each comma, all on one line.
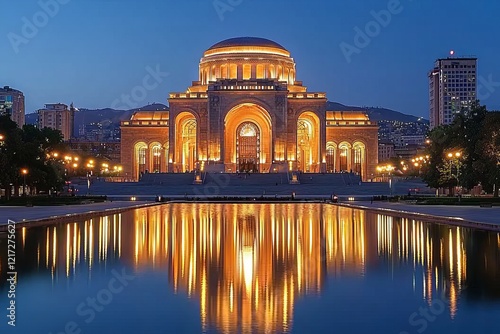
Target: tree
[[29, 148], [476, 135], [489, 148]]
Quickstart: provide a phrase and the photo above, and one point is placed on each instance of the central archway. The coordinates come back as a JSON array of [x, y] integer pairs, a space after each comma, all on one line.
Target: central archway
[[248, 147], [247, 139]]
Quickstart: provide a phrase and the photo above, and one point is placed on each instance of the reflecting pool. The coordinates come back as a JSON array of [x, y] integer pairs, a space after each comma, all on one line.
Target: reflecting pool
[[253, 268]]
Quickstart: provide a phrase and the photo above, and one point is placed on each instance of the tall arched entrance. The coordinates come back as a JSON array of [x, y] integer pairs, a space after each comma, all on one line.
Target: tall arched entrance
[[308, 134], [186, 142], [247, 139], [248, 147], [140, 154]]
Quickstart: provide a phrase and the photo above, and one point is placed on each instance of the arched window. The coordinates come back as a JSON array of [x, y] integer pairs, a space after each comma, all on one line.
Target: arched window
[[359, 157], [330, 158], [156, 158], [344, 157], [140, 157]]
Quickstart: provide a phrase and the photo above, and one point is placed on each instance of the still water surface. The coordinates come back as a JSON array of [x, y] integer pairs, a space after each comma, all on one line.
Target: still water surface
[[254, 268]]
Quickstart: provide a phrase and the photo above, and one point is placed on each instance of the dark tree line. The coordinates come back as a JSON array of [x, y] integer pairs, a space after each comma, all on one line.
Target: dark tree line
[[475, 134], [29, 148]]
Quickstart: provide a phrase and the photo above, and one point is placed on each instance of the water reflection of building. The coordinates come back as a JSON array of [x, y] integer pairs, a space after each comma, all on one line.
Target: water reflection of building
[[248, 264]]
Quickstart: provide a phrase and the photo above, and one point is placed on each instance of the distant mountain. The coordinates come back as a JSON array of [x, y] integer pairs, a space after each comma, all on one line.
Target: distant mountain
[[108, 115], [378, 114]]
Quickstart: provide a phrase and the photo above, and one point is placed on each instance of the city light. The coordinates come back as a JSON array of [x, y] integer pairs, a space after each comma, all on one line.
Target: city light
[[24, 171]]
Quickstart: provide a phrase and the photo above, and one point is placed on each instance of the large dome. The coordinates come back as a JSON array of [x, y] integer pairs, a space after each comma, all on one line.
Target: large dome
[[247, 58], [246, 41]]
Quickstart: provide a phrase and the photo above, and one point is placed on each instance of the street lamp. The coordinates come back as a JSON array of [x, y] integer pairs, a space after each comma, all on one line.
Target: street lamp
[[24, 171], [454, 159]]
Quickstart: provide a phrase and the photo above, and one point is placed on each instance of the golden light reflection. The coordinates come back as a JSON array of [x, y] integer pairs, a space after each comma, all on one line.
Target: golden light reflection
[[248, 264]]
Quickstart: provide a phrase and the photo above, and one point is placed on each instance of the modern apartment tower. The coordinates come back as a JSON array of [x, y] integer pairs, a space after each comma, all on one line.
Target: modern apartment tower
[[452, 88], [57, 116], [12, 103]]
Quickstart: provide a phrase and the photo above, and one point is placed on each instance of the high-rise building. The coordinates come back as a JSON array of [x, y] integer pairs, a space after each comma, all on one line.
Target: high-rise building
[[57, 116], [12, 103], [452, 88]]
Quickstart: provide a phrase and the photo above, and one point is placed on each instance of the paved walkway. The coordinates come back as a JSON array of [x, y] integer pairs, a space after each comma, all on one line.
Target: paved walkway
[[21, 213], [469, 213], [466, 213]]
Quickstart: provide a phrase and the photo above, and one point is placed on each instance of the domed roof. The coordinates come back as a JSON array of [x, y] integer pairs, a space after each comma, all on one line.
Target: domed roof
[[247, 41]]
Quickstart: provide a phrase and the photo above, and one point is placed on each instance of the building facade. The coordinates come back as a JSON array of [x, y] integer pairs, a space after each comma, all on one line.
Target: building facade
[[59, 117], [452, 88], [248, 113], [385, 151], [12, 103]]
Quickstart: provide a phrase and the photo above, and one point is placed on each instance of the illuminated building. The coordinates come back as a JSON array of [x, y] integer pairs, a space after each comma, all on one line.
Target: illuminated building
[[57, 116], [452, 88], [248, 112], [12, 103]]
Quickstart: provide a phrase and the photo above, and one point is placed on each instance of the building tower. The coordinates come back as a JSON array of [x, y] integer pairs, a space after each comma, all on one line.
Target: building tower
[[452, 88], [12, 103], [56, 116]]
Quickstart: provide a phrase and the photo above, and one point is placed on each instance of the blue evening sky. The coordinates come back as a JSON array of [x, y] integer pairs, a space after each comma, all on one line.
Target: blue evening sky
[[93, 51]]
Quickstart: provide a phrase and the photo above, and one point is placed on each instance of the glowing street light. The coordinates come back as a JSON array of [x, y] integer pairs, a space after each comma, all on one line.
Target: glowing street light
[[24, 171], [454, 157]]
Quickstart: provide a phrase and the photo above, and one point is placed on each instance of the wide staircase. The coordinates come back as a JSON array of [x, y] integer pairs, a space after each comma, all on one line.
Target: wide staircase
[[245, 180], [170, 179], [337, 179]]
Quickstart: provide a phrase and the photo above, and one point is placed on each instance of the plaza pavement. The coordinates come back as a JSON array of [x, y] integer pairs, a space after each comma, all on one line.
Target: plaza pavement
[[21, 214], [457, 215], [474, 214]]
